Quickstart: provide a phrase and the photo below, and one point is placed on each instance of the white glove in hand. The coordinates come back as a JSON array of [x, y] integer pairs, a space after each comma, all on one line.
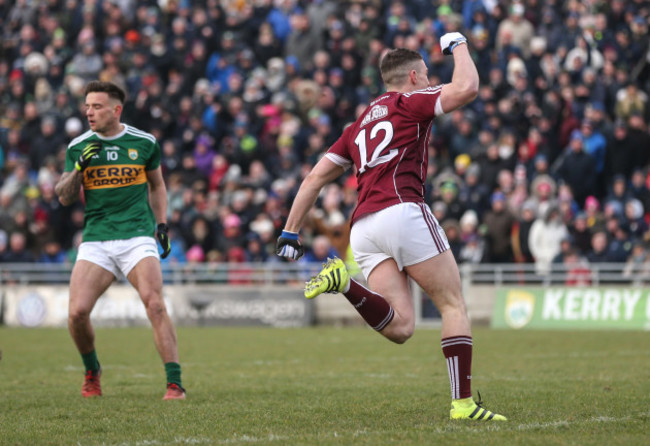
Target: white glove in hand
[[450, 41]]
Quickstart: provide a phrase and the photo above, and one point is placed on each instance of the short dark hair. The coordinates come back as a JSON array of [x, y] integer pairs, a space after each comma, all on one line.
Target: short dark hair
[[109, 88], [396, 64]]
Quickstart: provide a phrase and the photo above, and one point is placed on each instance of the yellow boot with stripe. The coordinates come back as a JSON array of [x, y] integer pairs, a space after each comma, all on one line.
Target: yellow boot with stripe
[[467, 409]]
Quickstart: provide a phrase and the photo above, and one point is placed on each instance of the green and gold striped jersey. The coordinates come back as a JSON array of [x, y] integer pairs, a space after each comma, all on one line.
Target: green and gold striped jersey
[[115, 184]]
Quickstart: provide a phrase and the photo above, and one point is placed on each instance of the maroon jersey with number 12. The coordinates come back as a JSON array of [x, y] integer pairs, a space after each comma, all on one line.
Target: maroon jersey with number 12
[[388, 145]]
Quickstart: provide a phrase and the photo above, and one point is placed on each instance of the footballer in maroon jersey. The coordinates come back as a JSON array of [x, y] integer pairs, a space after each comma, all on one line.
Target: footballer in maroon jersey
[[394, 235], [388, 144]]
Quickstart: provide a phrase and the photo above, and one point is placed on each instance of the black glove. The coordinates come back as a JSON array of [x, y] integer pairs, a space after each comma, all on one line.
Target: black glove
[[91, 149], [163, 239], [289, 246]]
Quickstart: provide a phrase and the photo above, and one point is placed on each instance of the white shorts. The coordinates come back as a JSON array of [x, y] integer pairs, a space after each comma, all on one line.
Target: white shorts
[[118, 256], [406, 232]]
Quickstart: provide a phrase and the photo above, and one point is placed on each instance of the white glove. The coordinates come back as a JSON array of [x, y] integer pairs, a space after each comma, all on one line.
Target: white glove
[[450, 41]]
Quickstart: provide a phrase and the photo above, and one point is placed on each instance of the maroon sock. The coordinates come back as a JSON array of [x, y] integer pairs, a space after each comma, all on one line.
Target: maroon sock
[[373, 308], [458, 352]]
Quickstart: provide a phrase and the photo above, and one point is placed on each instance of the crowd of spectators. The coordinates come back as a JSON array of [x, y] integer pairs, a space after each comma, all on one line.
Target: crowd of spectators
[[548, 165]]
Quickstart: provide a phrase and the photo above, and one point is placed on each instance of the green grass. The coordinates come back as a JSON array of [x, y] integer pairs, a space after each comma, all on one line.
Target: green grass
[[325, 386]]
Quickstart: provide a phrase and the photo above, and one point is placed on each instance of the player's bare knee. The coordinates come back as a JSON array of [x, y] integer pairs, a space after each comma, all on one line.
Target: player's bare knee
[[455, 304], [155, 307], [78, 317], [400, 337], [400, 334]]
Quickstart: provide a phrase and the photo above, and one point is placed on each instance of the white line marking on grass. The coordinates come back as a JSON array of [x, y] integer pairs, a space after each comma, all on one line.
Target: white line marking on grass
[[601, 419], [551, 424], [378, 375], [191, 440], [275, 361], [194, 440], [75, 368], [565, 423], [142, 375], [450, 428], [581, 354], [578, 378], [249, 439]]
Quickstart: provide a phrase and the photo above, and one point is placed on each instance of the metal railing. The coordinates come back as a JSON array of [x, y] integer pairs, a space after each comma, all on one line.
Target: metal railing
[[203, 273], [560, 274], [284, 273]]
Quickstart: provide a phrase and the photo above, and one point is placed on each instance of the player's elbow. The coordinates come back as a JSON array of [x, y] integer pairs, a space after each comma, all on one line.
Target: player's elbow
[[67, 200], [474, 93], [64, 201], [314, 182], [468, 91], [460, 94]]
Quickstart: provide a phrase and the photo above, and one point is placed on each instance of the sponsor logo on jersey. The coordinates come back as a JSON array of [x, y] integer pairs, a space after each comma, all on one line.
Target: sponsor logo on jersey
[[133, 154], [375, 113], [112, 176]]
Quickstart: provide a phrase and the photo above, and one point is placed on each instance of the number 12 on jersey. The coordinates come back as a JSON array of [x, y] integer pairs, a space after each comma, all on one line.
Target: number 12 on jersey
[[376, 157]]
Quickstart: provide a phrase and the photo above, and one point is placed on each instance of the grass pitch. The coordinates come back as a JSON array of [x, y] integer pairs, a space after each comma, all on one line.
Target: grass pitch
[[325, 386]]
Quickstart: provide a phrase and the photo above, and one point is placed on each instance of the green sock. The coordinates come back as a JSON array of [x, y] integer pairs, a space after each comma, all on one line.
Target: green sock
[[90, 360], [173, 372]]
